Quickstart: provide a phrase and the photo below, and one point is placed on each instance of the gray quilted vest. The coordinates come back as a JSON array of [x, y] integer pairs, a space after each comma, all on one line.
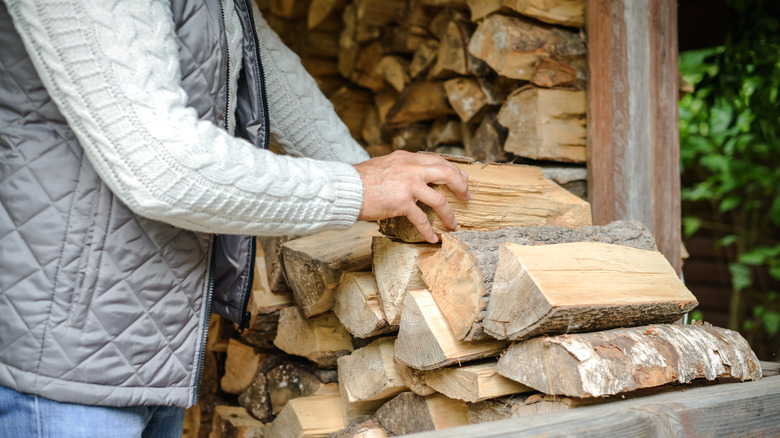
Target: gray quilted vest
[[97, 305]]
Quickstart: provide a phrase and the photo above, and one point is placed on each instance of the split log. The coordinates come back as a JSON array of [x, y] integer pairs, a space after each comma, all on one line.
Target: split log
[[413, 379], [351, 105], [365, 72], [472, 383], [289, 381], [290, 9], [348, 45], [512, 46], [396, 271], [384, 100], [358, 308], [579, 287], [235, 422], [409, 413], [482, 8], [424, 57], [220, 332], [320, 10], [444, 132], [412, 137], [426, 341], [454, 57], [419, 101], [378, 12], [314, 416], [394, 70], [373, 132], [369, 428], [314, 264], [471, 98], [274, 268], [378, 150], [241, 366], [438, 25], [563, 12], [487, 144], [626, 359], [321, 339], [368, 378], [502, 196], [545, 124], [460, 276], [549, 73], [320, 67], [573, 179]]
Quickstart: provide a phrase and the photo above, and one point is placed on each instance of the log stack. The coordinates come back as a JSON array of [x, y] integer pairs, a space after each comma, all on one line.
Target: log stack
[[526, 308]]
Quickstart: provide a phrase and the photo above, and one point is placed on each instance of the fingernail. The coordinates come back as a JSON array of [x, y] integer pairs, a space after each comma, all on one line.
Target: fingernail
[[465, 175], [468, 195]]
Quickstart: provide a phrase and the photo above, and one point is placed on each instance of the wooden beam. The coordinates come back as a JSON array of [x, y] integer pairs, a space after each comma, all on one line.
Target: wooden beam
[[633, 135]]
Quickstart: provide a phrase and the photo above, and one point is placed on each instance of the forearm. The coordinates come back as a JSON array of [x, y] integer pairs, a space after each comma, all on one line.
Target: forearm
[[112, 69]]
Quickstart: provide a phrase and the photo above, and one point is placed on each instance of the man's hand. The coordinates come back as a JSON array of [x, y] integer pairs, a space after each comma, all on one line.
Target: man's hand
[[392, 184]]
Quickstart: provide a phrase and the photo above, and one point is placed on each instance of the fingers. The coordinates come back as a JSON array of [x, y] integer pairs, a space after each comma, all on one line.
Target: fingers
[[419, 219], [446, 173], [439, 203]]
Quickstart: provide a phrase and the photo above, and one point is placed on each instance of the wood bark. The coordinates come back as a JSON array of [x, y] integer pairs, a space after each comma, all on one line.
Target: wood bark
[[395, 70], [473, 382], [314, 264], [545, 124], [580, 287], [235, 422], [314, 416], [426, 341], [563, 12], [271, 250], [369, 428], [549, 73], [487, 143], [396, 271], [419, 101], [413, 379], [501, 196], [453, 57], [424, 57], [378, 12], [471, 98], [625, 359], [412, 137], [321, 339], [358, 307], [368, 378], [460, 276], [444, 132], [366, 72], [512, 46], [410, 413]]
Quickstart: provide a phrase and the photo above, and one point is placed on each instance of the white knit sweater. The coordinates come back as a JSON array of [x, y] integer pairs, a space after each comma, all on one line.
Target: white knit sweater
[[112, 68]]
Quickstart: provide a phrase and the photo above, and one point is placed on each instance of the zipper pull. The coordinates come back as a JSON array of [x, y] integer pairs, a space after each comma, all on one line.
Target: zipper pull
[[244, 324]]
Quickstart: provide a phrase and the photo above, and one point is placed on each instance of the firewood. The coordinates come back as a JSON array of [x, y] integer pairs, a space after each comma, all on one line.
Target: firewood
[[220, 332], [320, 10], [357, 306], [472, 383], [373, 132], [318, 43], [271, 247], [235, 422], [369, 428], [378, 150], [549, 73], [377, 12], [471, 98], [409, 413], [321, 339], [502, 196], [573, 179], [413, 379], [419, 101], [192, 420], [348, 45], [487, 144], [289, 381], [368, 378], [444, 3], [241, 365], [545, 124], [570, 287], [512, 46], [626, 359], [424, 57], [453, 57], [383, 101], [314, 416], [439, 23], [314, 264], [320, 67], [500, 408], [412, 137], [482, 8], [563, 12], [426, 341], [396, 271], [461, 275], [395, 70], [366, 72], [351, 105], [444, 132], [289, 9]]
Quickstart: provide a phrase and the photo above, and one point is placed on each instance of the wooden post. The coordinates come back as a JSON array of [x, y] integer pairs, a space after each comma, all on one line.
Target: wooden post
[[633, 135]]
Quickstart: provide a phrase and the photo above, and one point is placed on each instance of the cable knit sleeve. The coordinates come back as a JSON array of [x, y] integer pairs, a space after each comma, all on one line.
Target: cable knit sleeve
[[111, 66], [303, 121]]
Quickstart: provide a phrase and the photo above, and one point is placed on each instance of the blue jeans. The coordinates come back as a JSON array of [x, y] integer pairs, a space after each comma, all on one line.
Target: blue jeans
[[31, 416]]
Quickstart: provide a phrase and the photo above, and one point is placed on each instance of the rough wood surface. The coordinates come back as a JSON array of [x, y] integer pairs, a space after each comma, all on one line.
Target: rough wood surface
[[410, 413], [549, 73], [321, 339], [395, 70], [545, 124], [471, 97], [241, 365], [444, 132], [272, 257], [315, 416], [369, 428], [502, 196], [579, 287], [487, 143], [460, 276], [357, 306], [396, 271], [426, 341], [512, 46], [419, 101], [235, 422], [413, 379], [320, 10], [314, 264], [453, 57], [424, 57], [351, 104], [368, 378], [563, 12], [473, 382], [626, 359]]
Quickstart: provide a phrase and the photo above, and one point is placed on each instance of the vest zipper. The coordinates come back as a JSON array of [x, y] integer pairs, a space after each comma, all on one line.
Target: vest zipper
[[264, 99], [246, 315], [207, 319]]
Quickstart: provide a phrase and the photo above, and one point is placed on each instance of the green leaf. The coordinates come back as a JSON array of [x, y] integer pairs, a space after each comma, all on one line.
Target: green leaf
[[728, 240], [775, 272], [772, 322], [729, 203], [740, 276], [690, 225]]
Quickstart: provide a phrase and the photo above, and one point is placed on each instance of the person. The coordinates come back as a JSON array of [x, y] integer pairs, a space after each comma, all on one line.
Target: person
[[133, 171]]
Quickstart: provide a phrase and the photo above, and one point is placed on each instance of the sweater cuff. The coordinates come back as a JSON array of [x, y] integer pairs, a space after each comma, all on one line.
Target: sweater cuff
[[348, 187]]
